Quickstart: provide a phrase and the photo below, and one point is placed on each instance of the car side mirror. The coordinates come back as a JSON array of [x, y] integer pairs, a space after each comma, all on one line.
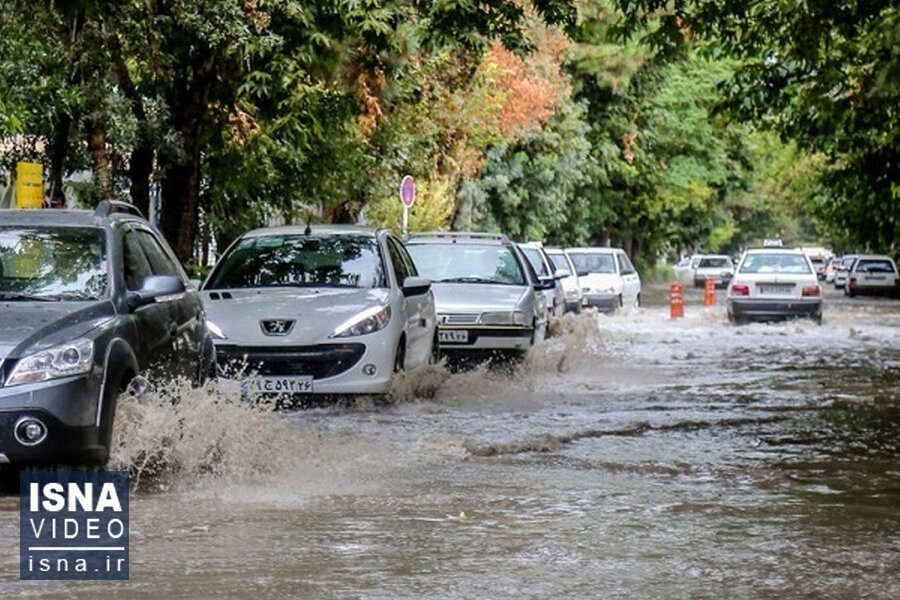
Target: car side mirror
[[155, 288], [562, 273], [416, 286], [195, 283], [545, 283], [583, 273]]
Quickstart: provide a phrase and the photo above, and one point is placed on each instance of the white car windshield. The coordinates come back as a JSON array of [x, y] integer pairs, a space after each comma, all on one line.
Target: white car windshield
[[53, 263], [300, 260], [775, 263], [559, 261], [467, 263], [593, 262]]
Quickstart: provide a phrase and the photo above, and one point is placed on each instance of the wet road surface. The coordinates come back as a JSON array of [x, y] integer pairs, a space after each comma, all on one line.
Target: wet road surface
[[628, 457]]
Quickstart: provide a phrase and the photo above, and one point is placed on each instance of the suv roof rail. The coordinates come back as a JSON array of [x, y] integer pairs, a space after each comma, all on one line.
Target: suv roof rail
[[459, 235], [107, 207]]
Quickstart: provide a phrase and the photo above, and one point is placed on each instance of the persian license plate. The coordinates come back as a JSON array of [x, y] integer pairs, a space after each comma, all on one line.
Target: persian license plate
[[454, 336], [876, 278], [291, 384], [775, 290]]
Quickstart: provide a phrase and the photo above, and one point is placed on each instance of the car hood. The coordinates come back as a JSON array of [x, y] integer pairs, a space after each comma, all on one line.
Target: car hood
[[477, 297], [600, 280], [316, 312], [27, 327]]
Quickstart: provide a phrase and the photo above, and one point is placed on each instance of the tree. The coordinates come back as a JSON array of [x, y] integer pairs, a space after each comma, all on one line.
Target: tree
[[824, 74]]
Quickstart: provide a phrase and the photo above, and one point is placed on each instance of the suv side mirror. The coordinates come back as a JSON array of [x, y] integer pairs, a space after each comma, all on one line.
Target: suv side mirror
[[416, 286], [545, 283], [154, 288], [562, 273]]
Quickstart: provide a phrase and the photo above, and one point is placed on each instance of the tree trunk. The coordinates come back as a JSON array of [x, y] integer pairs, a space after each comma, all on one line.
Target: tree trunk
[[140, 168], [181, 196], [96, 143], [59, 152]]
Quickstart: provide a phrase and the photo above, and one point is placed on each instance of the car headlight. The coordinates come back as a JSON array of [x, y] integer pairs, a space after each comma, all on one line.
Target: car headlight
[[64, 360], [215, 331], [503, 318], [368, 321]]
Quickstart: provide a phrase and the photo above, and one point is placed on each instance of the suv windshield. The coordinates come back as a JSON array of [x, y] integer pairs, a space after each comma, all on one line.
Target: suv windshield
[[52, 263], [593, 262], [467, 263], [299, 260], [775, 263]]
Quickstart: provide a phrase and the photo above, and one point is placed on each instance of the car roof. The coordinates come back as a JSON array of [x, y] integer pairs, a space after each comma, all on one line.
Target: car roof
[[442, 237], [531, 245], [314, 230], [872, 257], [776, 250], [710, 256], [595, 249], [52, 217]]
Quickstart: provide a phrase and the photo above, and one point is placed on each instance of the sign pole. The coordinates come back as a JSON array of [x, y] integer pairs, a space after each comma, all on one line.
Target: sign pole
[[407, 197]]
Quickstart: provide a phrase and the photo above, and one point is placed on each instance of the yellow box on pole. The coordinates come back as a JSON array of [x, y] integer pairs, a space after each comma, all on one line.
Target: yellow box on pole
[[29, 185]]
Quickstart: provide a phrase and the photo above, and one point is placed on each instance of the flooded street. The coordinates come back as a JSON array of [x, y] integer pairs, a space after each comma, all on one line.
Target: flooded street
[[628, 457]]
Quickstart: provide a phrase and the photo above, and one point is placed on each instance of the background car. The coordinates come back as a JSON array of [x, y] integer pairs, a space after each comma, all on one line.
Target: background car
[[323, 310], [873, 274], [610, 281], [717, 267], [774, 283], [547, 273], [842, 272], [487, 294], [569, 279], [830, 268], [684, 269], [90, 300]]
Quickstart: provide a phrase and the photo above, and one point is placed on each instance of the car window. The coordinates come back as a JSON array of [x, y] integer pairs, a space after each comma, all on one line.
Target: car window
[[559, 261], [625, 266], [536, 259], [695, 262], [866, 265], [715, 263], [160, 263], [401, 269], [135, 263], [56, 263], [593, 262], [775, 263], [684, 262], [299, 260], [467, 263]]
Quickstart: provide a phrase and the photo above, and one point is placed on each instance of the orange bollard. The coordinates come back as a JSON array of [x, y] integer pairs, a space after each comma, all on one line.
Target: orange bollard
[[709, 293], [676, 300]]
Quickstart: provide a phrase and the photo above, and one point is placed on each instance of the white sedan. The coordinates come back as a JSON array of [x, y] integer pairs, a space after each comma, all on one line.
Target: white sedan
[[321, 310], [774, 283]]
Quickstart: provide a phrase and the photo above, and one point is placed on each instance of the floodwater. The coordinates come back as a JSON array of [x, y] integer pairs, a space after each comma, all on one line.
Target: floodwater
[[628, 457]]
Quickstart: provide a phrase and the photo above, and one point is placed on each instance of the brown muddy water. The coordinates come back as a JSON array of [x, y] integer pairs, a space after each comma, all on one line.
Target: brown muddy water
[[627, 457]]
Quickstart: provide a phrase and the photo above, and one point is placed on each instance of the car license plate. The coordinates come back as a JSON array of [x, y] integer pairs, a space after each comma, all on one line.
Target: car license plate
[[774, 290], [454, 336], [289, 384], [877, 278]]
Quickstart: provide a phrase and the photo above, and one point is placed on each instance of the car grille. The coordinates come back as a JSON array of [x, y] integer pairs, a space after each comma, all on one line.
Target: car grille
[[320, 361], [459, 318]]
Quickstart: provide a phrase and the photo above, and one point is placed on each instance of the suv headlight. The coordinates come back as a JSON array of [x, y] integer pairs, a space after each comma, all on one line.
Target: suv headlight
[[64, 360], [502, 318], [368, 321]]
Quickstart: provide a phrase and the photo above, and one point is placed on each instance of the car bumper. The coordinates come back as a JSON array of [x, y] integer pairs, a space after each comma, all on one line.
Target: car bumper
[[67, 408], [874, 290], [720, 282], [336, 369], [756, 309], [574, 305], [604, 302], [488, 338]]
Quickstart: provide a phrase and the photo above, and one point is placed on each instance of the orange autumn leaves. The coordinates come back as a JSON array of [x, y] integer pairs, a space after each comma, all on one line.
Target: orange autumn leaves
[[532, 87]]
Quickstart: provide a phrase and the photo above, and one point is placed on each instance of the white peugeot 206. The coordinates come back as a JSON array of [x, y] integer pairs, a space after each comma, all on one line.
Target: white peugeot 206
[[321, 310]]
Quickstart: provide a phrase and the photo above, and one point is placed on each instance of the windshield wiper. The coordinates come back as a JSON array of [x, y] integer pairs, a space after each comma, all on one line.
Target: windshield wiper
[[16, 296]]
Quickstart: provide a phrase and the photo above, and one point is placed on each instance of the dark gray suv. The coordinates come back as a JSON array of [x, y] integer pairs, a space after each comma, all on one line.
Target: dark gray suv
[[88, 301]]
